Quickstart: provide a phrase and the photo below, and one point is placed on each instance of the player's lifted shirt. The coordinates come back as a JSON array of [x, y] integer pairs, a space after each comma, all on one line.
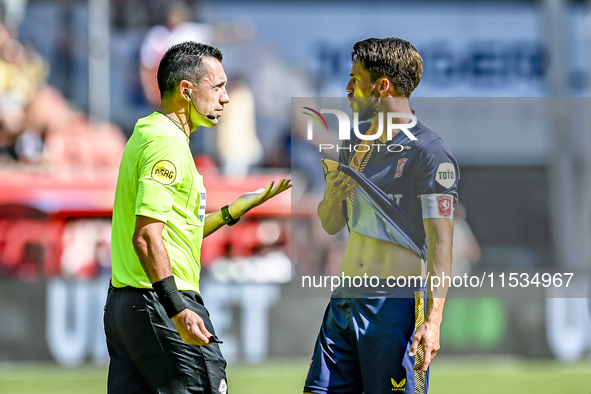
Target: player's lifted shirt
[[420, 176], [158, 179]]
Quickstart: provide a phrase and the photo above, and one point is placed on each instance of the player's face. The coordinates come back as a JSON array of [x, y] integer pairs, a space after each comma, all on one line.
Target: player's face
[[360, 86], [210, 95]]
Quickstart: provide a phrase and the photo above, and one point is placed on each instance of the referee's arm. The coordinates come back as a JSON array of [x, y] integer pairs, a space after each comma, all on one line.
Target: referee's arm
[[150, 249], [148, 245]]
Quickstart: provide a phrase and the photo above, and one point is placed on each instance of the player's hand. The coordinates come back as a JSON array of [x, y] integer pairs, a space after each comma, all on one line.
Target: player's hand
[[248, 201], [338, 187], [426, 335], [191, 328]]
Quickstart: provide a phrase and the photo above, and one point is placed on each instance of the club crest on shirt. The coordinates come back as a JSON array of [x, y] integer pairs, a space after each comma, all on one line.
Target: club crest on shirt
[[164, 172], [446, 175], [400, 167], [444, 205]]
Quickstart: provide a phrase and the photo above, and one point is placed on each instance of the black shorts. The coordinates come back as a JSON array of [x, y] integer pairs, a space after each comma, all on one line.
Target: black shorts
[[147, 353]]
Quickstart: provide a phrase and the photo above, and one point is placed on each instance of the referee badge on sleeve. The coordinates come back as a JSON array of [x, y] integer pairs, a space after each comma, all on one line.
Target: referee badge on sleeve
[[164, 172]]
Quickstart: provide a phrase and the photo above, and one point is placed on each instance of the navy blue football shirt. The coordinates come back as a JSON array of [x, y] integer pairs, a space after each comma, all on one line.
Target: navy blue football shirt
[[404, 170]]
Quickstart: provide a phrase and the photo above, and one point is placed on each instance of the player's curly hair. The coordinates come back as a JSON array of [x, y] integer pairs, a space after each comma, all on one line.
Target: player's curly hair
[[184, 61], [391, 57]]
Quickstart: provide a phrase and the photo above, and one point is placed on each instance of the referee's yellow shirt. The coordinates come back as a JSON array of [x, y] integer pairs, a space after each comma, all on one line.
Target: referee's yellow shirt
[[158, 179]]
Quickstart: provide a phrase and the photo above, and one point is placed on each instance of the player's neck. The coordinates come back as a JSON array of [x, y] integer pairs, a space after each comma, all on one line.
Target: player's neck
[[390, 104]]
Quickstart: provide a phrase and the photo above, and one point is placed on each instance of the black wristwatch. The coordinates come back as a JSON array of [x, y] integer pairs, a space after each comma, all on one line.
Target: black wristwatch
[[230, 221]]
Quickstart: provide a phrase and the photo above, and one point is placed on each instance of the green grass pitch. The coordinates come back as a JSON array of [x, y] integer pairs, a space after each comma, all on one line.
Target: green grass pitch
[[449, 375]]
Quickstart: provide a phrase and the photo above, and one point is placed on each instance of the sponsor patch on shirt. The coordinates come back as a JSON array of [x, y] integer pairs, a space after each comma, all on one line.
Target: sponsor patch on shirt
[[446, 175], [164, 172]]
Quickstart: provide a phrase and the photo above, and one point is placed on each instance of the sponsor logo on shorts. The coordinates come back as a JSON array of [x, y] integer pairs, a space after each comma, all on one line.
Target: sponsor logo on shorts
[[400, 167], [164, 172], [446, 175], [444, 205], [223, 389], [398, 386]]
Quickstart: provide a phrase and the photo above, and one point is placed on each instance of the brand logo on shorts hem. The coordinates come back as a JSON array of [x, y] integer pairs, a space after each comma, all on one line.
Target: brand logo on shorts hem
[[164, 172], [398, 386], [223, 389]]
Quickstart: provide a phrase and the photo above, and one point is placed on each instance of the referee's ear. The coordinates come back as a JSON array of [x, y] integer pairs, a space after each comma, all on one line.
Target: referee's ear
[[185, 88]]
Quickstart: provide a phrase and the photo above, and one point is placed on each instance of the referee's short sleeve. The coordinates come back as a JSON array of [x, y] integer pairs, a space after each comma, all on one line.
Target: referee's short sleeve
[[161, 172]]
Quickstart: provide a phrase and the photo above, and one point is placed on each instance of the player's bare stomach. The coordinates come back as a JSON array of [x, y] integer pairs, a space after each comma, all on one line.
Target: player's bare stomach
[[374, 257]]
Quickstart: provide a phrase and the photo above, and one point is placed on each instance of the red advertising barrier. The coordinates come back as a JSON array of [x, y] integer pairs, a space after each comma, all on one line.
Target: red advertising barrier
[[57, 221]]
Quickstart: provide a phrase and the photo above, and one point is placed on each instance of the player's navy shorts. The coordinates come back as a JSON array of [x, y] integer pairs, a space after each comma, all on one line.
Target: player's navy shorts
[[364, 342], [147, 353]]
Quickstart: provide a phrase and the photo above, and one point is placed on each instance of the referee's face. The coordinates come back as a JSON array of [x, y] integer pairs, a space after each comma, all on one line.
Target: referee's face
[[210, 95], [360, 86]]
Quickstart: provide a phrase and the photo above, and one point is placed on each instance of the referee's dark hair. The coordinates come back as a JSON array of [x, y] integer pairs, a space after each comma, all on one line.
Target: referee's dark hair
[[390, 57], [184, 61]]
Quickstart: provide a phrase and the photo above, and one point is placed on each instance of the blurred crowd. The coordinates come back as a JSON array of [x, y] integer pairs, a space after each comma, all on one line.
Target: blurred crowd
[[42, 118], [37, 124]]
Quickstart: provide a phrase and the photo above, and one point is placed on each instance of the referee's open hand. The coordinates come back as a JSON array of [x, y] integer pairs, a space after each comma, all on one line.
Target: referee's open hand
[[191, 328], [247, 201]]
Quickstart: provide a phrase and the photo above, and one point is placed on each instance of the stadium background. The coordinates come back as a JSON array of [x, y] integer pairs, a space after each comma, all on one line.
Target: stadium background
[[498, 66]]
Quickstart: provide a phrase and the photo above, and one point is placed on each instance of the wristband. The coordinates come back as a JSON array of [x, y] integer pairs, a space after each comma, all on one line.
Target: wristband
[[228, 219], [169, 296]]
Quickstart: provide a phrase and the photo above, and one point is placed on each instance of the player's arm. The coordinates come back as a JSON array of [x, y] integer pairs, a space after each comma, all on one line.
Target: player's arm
[[149, 247], [243, 204], [330, 209], [437, 181], [439, 235]]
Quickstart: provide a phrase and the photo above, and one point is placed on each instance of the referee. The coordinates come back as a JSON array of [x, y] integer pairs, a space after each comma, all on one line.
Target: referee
[[155, 320]]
